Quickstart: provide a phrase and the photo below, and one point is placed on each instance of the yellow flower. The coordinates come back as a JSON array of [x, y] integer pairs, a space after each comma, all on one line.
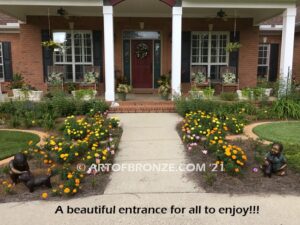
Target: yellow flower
[[30, 142], [76, 154], [67, 190], [52, 142], [74, 190], [228, 153], [77, 181], [233, 157], [103, 157], [70, 176], [61, 186], [44, 195], [237, 170], [9, 186], [96, 155]]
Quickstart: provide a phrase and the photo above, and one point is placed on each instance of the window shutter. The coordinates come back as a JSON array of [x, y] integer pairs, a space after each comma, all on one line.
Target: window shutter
[[7, 61], [47, 54], [234, 56], [274, 56], [186, 57], [97, 51]]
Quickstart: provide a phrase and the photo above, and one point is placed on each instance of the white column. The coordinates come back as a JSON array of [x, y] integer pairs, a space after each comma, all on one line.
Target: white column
[[287, 48], [109, 53], [176, 50]]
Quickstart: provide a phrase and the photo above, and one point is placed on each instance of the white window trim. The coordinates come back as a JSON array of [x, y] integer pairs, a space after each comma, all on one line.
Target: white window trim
[[2, 79], [267, 57], [74, 63], [209, 63]]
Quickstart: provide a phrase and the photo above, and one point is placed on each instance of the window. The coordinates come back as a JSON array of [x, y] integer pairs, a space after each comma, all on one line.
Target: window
[[263, 61], [1, 64], [209, 49], [77, 53]]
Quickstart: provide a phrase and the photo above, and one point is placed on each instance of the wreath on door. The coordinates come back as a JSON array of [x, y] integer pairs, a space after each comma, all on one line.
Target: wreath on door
[[142, 50]]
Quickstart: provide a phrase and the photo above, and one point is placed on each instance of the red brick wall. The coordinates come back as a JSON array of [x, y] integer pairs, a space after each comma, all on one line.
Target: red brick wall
[[296, 67], [29, 62]]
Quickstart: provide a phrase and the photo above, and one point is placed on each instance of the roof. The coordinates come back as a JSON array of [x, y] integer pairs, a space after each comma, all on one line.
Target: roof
[[4, 19], [278, 19]]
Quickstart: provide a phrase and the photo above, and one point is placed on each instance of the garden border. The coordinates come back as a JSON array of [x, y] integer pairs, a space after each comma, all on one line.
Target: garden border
[[42, 136]]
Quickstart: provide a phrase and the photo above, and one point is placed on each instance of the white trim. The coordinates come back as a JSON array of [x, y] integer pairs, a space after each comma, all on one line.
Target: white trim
[[74, 63], [287, 48], [236, 5], [209, 63], [53, 3], [109, 53], [267, 58], [176, 50]]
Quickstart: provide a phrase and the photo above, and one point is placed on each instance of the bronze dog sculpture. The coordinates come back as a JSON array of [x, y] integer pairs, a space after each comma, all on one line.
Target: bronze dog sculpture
[[31, 182]]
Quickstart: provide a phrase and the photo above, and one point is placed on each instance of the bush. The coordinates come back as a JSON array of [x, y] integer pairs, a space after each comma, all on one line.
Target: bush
[[286, 108], [228, 96]]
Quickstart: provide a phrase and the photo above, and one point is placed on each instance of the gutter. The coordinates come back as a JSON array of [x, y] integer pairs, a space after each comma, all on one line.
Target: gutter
[[10, 28]]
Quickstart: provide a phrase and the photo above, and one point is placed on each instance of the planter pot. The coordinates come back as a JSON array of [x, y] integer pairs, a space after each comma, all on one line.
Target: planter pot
[[3, 97], [196, 94], [241, 96], [268, 92], [35, 96], [209, 96], [85, 97], [122, 96], [16, 93]]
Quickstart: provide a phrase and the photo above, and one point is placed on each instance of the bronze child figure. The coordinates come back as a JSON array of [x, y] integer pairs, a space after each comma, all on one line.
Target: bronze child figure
[[17, 167], [275, 161]]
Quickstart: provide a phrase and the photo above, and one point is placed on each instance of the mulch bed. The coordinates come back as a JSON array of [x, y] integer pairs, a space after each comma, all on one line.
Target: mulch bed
[[249, 182]]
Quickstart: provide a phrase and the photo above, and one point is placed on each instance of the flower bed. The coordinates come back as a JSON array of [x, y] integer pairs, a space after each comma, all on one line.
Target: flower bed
[[84, 141], [200, 128]]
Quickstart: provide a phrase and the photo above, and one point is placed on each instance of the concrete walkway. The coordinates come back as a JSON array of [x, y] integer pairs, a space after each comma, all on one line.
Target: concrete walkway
[[150, 140]]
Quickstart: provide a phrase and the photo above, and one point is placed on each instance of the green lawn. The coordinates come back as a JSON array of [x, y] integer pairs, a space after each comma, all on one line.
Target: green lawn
[[284, 132], [12, 142], [288, 133]]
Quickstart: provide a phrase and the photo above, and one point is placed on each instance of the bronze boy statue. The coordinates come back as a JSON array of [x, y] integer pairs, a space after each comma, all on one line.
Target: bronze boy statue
[[275, 161]]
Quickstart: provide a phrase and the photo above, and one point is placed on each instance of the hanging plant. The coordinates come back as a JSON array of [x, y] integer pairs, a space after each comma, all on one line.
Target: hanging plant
[[142, 50], [51, 44], [233, 46]]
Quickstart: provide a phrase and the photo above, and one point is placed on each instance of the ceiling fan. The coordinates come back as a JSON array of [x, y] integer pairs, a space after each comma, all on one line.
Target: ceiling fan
[[222, 15]]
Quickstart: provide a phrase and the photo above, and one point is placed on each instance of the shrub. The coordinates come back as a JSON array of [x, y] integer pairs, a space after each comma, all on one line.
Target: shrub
[[228, 96], [286, 108]]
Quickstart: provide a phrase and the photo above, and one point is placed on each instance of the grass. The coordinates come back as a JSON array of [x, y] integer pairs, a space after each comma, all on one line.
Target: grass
[[287, 133], [13, 142], [284, 132]]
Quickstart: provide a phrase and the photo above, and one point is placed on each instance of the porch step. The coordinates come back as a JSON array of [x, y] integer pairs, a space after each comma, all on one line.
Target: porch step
[[144, 107]]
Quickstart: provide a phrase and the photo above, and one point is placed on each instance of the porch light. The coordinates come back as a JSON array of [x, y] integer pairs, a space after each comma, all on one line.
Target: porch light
[[59, 37], [265, 39]]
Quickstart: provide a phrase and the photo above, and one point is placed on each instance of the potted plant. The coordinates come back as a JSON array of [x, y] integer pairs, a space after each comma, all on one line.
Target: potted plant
[[199, 78], [164, 89], [84, 94], [233, 46], [16, 84], [52, 45], [208, 92], [229, 78], [123, 90], [196, 93], [90, 77], [55, 81]]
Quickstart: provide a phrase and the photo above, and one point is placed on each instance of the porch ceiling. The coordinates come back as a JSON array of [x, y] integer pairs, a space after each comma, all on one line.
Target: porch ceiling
[[259, 10]]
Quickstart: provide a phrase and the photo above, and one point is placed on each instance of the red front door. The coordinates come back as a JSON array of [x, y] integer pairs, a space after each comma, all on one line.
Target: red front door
[[141, 56]]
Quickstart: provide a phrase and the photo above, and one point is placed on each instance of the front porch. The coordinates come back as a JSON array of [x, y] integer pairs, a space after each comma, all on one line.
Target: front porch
[[178, 36]]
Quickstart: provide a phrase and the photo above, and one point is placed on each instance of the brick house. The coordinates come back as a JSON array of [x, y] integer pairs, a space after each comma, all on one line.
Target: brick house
[[142, 40], [269, 49]]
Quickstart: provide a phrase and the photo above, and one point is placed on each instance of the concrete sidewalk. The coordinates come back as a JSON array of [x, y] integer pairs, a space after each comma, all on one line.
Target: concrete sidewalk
[[150, 140]]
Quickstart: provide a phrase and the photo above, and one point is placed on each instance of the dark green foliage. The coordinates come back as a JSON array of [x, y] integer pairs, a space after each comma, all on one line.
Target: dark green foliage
[[228, 96]]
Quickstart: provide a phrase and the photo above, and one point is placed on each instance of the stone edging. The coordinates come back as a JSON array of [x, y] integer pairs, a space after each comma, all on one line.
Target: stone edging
[[42, 136]]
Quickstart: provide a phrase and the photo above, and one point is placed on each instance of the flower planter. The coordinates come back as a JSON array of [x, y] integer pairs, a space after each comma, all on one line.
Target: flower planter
[[3, 97], [122, 96], [196, 94], [35, 96], [16, 93], [85, 97]]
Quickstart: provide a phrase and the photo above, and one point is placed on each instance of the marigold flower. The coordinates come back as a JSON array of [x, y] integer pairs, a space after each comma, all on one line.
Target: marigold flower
[[67, 190], [44, 195]]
